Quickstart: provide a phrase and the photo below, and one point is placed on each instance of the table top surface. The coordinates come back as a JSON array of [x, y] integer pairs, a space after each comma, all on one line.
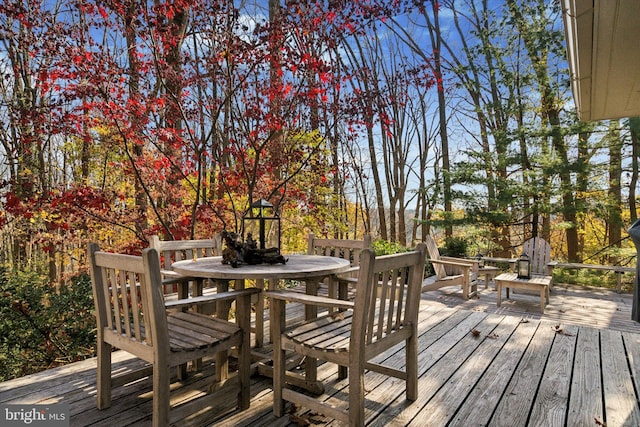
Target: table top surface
[[513, 277], [296, 267]]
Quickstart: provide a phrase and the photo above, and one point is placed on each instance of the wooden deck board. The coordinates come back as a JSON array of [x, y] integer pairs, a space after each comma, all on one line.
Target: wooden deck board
[[515, 404], [454, 392], [550, 405], [479, 404], [585, 401], [621, 404], [517, 370]]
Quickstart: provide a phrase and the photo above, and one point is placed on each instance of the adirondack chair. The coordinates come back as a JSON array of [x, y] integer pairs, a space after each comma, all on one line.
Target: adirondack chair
[[539, 252], [383, 315], [450, 271], [133, 315]]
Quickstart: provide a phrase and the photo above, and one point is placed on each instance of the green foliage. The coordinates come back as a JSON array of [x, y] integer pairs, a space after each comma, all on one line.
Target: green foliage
[[454, 247], [41, 326], [383, 247]]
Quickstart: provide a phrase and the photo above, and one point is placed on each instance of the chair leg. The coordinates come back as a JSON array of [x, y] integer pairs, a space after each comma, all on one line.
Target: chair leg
[[411, 351], [259, 334], [343, 294], [243, 314], [279, 358], [343, 372], [222, 312], [161, 401], [104, 375], [183, 293], [356, 394], [332, 291]]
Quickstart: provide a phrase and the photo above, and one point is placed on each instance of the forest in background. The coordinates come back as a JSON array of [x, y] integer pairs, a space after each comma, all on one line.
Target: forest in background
[[123, 119]]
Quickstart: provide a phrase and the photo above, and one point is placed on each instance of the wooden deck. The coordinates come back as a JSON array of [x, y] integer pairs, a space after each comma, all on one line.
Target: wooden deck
[[479, 365]]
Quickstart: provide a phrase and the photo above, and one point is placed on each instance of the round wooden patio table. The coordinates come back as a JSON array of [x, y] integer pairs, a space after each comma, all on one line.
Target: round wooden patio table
[[298, 267], [308, 268], [311, 269]]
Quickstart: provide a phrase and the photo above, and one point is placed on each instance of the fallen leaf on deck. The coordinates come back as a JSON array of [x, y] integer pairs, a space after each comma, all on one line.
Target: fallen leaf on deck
[[293, 408], [299, 421], [599, 423], [337, 316], [559, 330], [524, 320], [493, 336], [475, 333]]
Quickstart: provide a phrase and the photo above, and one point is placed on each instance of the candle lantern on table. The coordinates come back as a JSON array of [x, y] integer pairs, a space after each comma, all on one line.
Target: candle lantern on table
[[524, 266], [262, 224]]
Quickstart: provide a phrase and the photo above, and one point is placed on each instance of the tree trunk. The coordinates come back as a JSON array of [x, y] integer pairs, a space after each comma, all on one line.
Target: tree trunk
[[582, 185], [436, 41], [614, 220], [634, 125], [131, 34]]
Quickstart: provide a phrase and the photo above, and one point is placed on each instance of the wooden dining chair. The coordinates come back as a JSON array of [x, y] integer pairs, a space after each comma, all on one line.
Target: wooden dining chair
[[132, 315], [171, 251], [451, 271], [338, 286], [383, 315]]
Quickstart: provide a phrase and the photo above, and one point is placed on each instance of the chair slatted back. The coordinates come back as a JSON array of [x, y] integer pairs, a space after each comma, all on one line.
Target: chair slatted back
[[340, 248], [177, 250], [434, 254], [539, 252], [127, 291], [388, 295]]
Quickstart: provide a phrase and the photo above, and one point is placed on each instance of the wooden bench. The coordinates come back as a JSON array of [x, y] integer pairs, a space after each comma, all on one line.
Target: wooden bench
[[497, 260], [618, 269]]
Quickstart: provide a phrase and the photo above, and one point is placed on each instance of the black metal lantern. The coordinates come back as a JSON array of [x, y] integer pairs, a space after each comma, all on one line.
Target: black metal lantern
[[262, 223], [524, 266]]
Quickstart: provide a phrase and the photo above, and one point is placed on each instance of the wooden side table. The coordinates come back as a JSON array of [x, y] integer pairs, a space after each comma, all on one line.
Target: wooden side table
[[489, 272], [536, 283]]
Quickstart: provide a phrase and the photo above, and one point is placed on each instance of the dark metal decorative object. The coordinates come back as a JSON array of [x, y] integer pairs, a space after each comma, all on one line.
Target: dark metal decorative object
[[262, 223], [524, 266], [237, 252]]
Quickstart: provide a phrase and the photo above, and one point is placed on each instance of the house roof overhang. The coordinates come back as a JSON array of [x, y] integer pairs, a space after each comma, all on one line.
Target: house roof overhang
[[603, 49]]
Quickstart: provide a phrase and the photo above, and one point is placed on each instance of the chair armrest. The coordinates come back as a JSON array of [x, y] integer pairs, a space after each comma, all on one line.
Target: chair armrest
[[309, 299], [170, 273], [349, 271], [452, 263], [474, 263], [222, 296], [348, 276], [170, 277]]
